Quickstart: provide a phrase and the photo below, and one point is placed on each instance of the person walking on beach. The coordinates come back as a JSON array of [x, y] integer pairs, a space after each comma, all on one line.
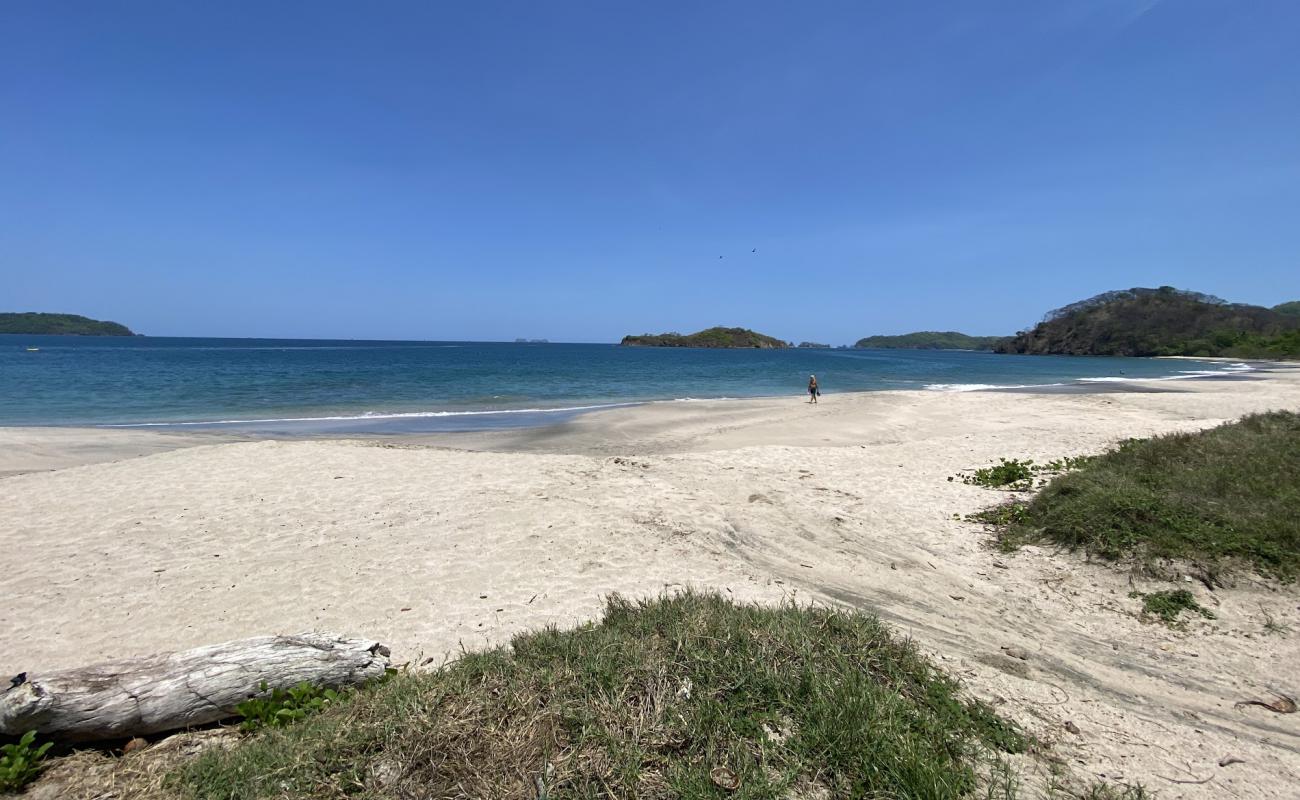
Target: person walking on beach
[[813, 391]]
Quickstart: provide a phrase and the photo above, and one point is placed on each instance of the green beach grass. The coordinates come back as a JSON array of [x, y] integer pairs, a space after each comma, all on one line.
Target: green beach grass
[[1218, 499], [684, 696]]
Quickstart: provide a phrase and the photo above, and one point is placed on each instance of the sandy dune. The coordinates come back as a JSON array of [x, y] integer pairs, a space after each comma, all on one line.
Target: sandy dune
[[44, 449], [439, 543]]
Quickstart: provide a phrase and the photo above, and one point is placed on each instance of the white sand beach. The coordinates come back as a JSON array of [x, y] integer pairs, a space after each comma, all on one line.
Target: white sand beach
[[119, 544]]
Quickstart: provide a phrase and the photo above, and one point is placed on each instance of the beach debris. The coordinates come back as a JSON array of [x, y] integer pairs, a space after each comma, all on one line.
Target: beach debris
[[408, 608], [1071, 727], [725, 778], [1281, 705], [1191, 782], [170, 691], [892, 565], [1016, 652], [778, 732], [1000, 565], [1002, 663], [1226, 760], [957, 596], [543, 781], [386, 773]]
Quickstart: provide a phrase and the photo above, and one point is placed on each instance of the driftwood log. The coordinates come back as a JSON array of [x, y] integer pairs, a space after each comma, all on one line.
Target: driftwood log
[[171, 691]]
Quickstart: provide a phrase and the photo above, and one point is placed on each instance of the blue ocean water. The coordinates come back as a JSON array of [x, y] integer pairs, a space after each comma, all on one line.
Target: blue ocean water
[[371, 386]]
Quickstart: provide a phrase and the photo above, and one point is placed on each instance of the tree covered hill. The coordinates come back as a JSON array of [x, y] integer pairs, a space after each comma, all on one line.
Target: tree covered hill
[[1160, 322], [59, 324], [710, 337], [1292, 308], [931, 340]]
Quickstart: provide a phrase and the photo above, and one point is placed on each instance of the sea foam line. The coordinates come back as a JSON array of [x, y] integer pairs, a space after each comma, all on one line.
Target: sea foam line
[[369, 416], [980, 387], [1183, 375]]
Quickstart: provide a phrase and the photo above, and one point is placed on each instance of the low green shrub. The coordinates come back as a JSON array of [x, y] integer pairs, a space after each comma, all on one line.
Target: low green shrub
[[284, 706], [1168, 605], [1007, 472], [1001, 515], [1217, 498], [1019, 475], [20, 762]]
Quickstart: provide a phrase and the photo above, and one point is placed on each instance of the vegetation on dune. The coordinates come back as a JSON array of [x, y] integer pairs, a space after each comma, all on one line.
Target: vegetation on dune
[[710, 337], [687, 696], [284, 706], [36, 323], [1168, 606], [1160, 322], [931, 340], [1107, 791], [1216, 498], [21, 762], [1018, 475]]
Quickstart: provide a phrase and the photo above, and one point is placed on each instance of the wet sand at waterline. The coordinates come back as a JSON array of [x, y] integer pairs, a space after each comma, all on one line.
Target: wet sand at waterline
[[441, 542]]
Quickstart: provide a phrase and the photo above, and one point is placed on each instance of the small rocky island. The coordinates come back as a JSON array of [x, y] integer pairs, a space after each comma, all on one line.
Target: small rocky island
[[711, 337], [37, 323]]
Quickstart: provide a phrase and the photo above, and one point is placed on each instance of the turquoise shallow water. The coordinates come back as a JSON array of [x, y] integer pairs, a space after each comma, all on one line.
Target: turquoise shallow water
[[343, 386]]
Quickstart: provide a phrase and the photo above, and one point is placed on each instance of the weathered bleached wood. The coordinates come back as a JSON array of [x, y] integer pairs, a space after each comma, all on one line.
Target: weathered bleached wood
[[170, 691]]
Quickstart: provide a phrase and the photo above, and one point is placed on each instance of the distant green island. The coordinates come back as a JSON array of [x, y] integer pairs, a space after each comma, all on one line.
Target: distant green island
[[1162, 322], [815, 345], [931, 340], [34, 323], [710, 337]]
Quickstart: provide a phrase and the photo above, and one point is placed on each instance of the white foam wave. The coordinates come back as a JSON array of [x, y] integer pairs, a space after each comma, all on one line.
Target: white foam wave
[[980, 387], [369, 415], [1182, 375]]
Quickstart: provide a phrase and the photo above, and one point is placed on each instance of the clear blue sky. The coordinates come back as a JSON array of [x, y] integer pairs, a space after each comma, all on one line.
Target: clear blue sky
[[573, 170]]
